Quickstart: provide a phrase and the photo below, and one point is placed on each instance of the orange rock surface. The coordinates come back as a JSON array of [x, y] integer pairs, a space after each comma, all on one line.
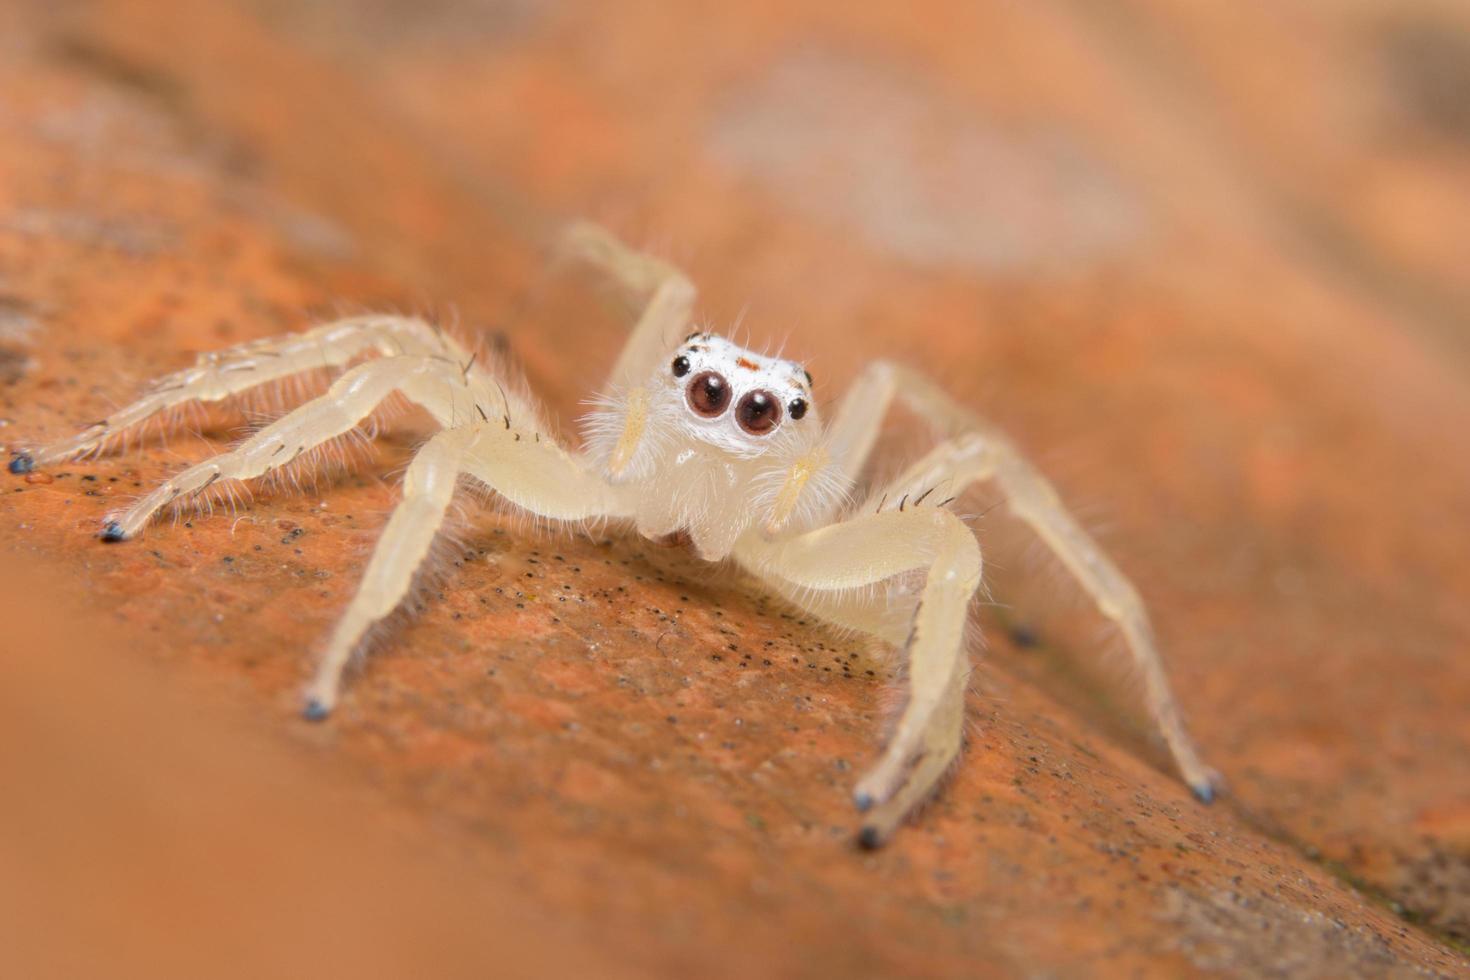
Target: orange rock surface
[[1207, 266]]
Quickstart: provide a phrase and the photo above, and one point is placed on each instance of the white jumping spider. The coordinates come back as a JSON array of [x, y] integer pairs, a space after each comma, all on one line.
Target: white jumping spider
[[695, 436]]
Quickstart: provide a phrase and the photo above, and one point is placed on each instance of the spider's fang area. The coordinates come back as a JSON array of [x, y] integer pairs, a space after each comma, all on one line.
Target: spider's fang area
[[315, 711], [1203, 792], [21, 464], [870, 838], [112, 532]]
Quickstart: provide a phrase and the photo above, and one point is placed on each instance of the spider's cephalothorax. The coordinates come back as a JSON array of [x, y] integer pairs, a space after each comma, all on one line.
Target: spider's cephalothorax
[[693, 435], [708, 442]]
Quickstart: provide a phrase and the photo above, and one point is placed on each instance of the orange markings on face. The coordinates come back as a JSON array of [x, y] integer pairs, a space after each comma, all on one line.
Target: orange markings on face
[[747, 364]]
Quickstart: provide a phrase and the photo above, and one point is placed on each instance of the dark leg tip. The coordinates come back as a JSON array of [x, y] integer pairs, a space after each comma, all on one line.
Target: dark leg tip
[[1025, 637], [869, 839], [112, 531], [315, 711], [863, 801], [21, 463], [1204, 792]]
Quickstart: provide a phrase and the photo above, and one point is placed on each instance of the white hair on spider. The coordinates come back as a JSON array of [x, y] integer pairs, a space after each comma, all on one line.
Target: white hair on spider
[[701, 436], [714, 434]]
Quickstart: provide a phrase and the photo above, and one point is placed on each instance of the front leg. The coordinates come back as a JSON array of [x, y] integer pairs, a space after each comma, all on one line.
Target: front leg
[[526, 468], [662, 295], [864, 551]]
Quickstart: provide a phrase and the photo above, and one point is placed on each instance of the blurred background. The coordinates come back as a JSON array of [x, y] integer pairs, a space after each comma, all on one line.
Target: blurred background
[[1207, 263]]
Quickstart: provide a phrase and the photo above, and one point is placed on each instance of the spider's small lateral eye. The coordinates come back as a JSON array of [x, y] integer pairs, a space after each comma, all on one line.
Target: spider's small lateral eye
[[709, 394], [681, 366], [797, 408], [758, 412]]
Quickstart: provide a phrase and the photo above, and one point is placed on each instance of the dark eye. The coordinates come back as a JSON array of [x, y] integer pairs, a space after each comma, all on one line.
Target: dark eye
[[758, 412], [709, 394], [797, 408], [681, 366]]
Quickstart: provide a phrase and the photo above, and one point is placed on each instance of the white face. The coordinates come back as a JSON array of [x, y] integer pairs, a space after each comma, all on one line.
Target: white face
[[736, 399]]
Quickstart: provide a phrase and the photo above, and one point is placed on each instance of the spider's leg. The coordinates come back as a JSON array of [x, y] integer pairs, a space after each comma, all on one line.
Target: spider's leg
[[220, 375], [663, 296], [980, 452], [859, 417], [526, 469], [436, 384], [1031, 498], [428, 488], [861, 552]]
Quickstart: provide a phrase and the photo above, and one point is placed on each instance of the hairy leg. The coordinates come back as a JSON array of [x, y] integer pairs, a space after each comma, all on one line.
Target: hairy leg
[[979, 452], [860, 414], [530, 471], [662, 294], [859, 418], [428, 488], [219, 375], [437, 385], [1031, 498], [862, 552]]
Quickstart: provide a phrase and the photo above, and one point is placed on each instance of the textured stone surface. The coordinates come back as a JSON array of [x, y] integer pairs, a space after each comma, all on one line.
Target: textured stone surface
[[1214, 286]]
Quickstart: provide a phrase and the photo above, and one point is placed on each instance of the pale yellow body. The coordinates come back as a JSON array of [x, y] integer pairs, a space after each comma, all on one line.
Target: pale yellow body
[[776, 503]]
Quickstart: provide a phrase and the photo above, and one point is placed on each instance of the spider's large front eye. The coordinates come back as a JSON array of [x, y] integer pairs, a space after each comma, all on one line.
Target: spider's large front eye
[[758, 412], [709, 394]]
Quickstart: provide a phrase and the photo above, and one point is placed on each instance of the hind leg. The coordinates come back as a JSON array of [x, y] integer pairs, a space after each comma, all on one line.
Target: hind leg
[[437, 385], [220, 375], [979, 452]]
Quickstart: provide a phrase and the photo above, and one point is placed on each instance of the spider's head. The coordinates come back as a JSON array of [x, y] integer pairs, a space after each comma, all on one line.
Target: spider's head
[[717, 439], [736, 401]]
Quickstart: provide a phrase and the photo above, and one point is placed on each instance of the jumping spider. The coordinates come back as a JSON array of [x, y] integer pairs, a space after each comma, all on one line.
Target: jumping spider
[[696, 436]]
